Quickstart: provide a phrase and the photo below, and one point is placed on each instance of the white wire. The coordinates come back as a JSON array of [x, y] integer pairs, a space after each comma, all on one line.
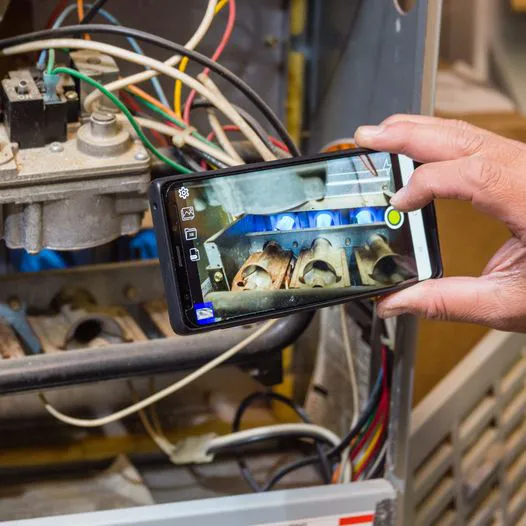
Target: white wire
[[172, 61], [346, 465], [377, 462], [113, 20], [167, 391], [188, 138], [248, 131], [219, 101], [274, 431], [224, 141]]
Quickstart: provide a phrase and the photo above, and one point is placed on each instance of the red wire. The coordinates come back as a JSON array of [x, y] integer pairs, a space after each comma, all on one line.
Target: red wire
[[217, 53], [374, 453], [62, 4], [234, 128]]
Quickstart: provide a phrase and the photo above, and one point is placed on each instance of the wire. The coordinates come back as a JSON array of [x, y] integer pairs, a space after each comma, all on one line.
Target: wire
[[177, 386], [261, 434], [113, 20], [374, 470], [256, 126], [369, 452], [95, 8], [132, 120], [254, 97], [166, 113], [217, 53], [61, 5], [178, 135], [178, 89], [194, 41], [346, 472], [302, 414], [222, 137], [80, 9], [209, 92], [346, 441], [51, 62]]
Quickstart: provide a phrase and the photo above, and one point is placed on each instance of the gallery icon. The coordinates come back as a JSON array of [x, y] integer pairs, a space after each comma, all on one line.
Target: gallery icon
[[190, 234], [184, 193], [394, 218], [204, 313], [188, 213], [194, 254]]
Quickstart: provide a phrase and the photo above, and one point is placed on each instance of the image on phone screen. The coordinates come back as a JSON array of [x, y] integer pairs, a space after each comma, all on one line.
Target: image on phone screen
[[275, 238]]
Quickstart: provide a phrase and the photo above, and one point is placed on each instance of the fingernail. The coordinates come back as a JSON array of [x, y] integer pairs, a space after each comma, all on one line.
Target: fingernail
[[370, 131], [399, 198], [390, 312]]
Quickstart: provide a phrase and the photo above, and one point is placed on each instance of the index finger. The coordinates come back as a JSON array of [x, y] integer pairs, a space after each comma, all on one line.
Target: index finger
[[424, 142]]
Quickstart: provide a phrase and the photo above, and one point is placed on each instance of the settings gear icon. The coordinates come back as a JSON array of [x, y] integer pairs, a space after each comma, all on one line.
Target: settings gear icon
[[184, 193]]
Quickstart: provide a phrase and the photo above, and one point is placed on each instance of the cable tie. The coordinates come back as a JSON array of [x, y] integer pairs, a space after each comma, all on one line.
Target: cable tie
[[180, 139]]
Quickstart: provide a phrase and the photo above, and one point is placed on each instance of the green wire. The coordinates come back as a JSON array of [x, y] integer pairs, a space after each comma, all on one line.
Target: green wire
[[51, 61], [74, 73], [177, 122]]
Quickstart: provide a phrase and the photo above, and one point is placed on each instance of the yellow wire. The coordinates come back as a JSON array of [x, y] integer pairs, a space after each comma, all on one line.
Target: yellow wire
[[178, 90], [369, 451]]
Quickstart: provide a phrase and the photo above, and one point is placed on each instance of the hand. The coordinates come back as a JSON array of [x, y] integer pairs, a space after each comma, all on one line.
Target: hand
[[467, 163]]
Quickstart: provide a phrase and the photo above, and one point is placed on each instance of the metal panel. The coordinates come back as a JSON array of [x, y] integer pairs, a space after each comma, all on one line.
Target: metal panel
[[281, 507], [385, 68]]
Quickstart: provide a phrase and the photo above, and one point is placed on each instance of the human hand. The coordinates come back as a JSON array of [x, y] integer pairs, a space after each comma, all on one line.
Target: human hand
[[467, 163]]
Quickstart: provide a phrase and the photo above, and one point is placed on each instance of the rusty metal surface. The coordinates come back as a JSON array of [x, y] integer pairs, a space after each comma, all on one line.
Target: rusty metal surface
[[265, 270], [9, 345], [379, 264], [323, 266]]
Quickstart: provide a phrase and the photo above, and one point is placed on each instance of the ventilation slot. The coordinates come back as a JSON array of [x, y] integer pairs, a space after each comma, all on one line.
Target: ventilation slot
[[432, 469], [516, 473], [517, 506], [515, 411], [478, 419], [515, 443], [487, 511], [433, 506], [514, 379]]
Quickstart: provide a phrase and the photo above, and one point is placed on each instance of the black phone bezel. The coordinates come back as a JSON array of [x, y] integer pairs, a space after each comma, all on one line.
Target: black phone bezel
[[172, 263]]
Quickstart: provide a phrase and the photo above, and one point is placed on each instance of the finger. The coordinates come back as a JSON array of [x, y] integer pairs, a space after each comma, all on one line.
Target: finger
[[490, 187], [454, 299], [421, 142]]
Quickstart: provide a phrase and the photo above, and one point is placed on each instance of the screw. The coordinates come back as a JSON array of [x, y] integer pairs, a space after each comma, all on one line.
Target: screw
[[56, 147], [141, 155], [218, 276], [22, 88], [130, 293], [71, 95]]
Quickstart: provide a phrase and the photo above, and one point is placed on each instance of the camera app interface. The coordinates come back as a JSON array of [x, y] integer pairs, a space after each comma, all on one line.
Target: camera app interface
[[277, 238]]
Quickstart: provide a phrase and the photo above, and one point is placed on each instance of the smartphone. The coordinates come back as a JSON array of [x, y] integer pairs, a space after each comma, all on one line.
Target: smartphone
[[266, 240]]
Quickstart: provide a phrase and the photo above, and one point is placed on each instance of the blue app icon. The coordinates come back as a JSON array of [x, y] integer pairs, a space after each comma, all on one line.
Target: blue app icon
[[204, 313]]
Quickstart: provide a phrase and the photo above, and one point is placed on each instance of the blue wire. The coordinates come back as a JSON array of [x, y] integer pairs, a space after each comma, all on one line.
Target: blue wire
[[133, 43]]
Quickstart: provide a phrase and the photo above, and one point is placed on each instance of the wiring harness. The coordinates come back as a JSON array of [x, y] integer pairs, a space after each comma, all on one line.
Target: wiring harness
[[361, 452]]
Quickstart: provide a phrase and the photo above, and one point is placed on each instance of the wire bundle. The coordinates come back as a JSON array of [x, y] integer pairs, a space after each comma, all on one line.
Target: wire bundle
[[361, 451]]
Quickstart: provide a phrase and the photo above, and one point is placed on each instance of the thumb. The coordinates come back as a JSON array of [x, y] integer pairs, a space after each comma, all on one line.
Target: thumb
[[466, 299]]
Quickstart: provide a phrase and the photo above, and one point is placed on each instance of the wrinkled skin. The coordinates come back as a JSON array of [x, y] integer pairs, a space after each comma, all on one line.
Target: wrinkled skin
[[467, 163]]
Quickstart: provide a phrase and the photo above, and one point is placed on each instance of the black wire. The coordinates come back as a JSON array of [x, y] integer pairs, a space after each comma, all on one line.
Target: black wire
[[76, 30], [251, 121], [236, 425], [337, 450], [92, 13]]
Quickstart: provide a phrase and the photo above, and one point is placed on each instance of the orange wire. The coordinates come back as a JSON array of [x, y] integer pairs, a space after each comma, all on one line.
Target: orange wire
[[152, 100], [80, 12]]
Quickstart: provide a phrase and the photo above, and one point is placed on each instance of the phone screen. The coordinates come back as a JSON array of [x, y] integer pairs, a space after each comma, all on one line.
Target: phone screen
[[268, 239]]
